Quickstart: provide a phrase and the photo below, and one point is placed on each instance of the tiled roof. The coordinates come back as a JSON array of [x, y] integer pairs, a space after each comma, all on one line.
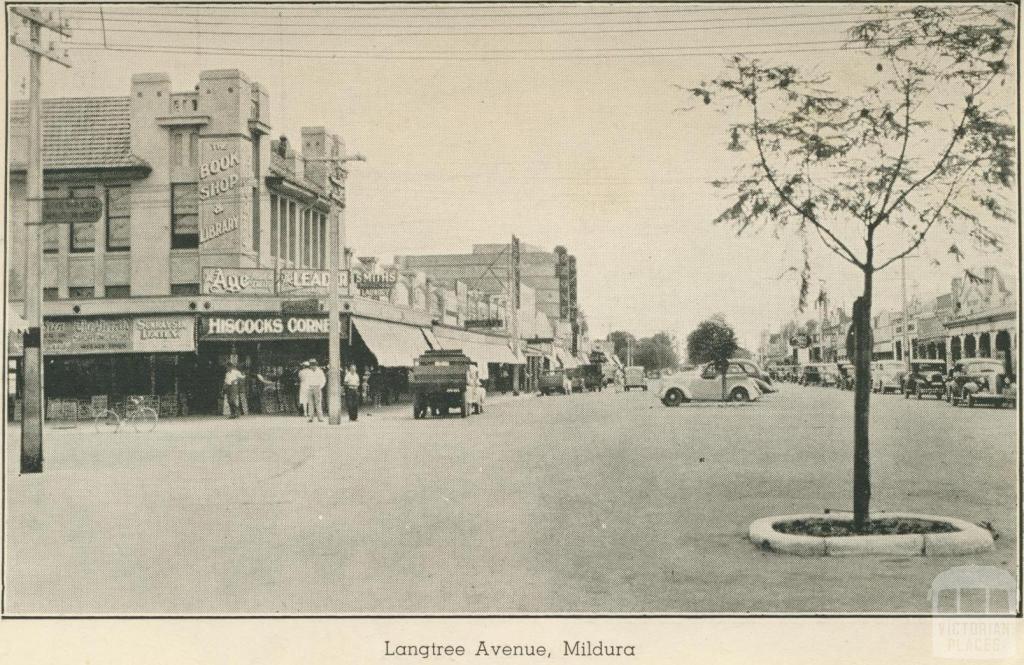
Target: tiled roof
[[78, 133]]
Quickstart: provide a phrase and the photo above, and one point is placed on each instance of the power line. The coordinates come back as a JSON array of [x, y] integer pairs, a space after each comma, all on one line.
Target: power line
[[476, 25], [332, 12], [600, 49], [505, 33], [258, 53]]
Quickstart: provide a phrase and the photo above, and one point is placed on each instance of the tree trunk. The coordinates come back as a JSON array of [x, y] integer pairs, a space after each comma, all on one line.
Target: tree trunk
[[862, 405]]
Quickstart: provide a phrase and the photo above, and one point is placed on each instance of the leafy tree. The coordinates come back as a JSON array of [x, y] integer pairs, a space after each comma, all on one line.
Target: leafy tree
[[622, 340], [928, 142], [656, 352], [713, 341]]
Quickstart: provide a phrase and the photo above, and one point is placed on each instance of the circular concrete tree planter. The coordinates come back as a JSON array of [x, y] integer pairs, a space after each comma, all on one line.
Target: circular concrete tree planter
[[967, 538]]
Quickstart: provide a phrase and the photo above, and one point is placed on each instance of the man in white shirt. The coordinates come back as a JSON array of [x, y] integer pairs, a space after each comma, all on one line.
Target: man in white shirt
[[314, 396], [232, 388]]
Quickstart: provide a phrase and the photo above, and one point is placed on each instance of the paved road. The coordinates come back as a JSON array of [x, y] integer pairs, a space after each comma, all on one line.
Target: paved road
[[596, 503]]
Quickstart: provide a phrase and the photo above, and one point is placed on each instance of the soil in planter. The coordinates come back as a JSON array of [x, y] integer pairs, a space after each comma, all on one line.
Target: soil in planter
[[886, 526]]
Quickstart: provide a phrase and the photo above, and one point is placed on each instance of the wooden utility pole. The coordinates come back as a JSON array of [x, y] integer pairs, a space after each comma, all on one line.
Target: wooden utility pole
[[32, 361], [513, 309]]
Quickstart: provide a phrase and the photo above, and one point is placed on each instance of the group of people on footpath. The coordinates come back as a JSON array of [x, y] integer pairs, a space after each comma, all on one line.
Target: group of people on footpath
[[312, 382]]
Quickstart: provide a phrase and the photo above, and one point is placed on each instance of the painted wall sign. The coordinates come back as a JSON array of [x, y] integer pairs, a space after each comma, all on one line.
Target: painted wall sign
[[225, 200], [163, 334], [238, 281], [264, 327], [141, 334], [308, 282]]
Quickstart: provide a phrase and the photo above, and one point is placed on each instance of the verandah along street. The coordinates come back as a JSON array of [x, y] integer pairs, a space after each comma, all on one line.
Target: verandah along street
[[599, 503]]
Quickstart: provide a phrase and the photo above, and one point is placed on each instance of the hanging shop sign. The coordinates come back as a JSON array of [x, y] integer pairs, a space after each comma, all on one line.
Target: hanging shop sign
[[238, 281], [375, 281], [308, 282], [79, 210], [268, 327], [141, 334]]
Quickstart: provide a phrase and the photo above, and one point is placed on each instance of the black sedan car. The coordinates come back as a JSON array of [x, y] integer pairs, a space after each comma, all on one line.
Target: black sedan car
[[926, 377]]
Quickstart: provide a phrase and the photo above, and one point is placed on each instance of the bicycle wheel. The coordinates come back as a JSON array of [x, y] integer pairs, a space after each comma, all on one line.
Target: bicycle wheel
[[107, 422], [144, 420]]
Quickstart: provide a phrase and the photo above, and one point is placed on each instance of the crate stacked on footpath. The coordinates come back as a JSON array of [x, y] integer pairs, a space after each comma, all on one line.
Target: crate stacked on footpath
[[68, 409]]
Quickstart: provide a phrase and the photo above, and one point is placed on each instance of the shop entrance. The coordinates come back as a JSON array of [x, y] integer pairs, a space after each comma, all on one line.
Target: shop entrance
[[271, 369]]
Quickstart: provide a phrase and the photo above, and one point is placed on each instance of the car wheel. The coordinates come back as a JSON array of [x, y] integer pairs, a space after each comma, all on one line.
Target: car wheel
[[740, 395], [674, 397]]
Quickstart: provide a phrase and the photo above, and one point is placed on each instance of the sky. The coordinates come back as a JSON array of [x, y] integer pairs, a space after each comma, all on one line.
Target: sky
[[561, 138]]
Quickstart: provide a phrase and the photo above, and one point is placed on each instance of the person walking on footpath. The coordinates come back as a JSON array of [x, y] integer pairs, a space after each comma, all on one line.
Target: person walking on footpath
[[314, 388], [232, 386], [352, 392]]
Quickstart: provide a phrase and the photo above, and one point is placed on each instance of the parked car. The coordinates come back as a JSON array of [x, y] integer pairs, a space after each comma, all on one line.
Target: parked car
[[577, 379], [554, 381], [980, 381], [887, 375], [810, 375], [635, 378], [705, 383], [751, 369], [926, 377]]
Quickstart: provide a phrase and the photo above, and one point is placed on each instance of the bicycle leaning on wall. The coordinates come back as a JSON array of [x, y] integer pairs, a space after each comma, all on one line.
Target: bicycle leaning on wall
[[142, 418]]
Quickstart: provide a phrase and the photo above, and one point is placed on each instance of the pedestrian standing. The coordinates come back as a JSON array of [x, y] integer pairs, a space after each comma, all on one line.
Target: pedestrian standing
[[232, 386], [305, 375], [314, 392], [352, 392], [375, 386]]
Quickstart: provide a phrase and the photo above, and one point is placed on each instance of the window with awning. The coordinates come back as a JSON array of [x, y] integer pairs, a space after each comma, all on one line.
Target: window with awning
[[393, 344]]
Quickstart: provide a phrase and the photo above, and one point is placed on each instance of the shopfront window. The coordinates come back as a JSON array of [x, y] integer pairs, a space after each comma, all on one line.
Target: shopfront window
[[118, 207], [184, 216]]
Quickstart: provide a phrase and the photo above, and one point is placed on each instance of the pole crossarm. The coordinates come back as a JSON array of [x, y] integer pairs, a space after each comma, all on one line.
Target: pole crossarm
[[33, 14], [49, 54]]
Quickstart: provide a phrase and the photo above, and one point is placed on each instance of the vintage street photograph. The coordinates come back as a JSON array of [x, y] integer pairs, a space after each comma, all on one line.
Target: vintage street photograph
[[487, 309]]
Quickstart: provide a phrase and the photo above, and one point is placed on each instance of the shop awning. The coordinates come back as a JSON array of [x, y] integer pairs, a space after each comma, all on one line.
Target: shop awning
[[566, 359], [394, 344], [481, 349]]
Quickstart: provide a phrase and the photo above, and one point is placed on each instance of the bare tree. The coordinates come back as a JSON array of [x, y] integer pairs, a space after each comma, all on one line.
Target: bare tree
[[871, 171]]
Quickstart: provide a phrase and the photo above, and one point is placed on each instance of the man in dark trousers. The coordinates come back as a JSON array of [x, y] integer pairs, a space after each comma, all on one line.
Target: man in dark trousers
[[352, 392], [233, 380]]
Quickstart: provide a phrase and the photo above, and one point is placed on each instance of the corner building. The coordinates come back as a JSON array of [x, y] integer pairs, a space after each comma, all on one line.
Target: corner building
[[203, 213]]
